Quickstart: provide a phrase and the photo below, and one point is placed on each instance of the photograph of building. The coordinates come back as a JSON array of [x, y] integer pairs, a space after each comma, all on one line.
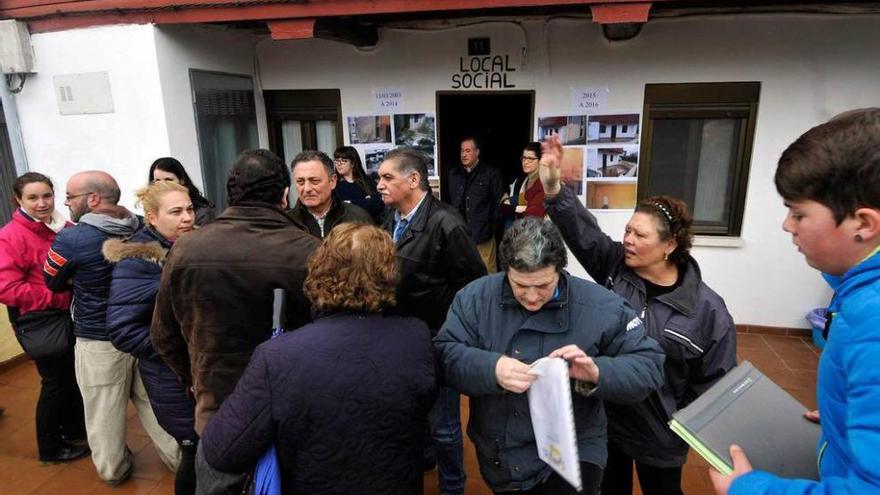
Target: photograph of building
[[622, 128]]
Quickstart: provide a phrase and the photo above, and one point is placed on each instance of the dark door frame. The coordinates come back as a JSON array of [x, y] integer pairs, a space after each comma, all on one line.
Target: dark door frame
[[439, 159]]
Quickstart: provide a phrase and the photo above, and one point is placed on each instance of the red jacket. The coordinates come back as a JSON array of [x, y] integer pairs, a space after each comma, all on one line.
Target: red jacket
[[24, 244]]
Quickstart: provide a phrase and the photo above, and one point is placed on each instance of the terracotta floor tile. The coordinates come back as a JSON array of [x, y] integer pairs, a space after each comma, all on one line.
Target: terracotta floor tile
[[750, 341], [20, 443], [19, 401], [764, 359], [800, 360], [800, 379], [163, 488], [23, 476], [70, 481], [23, 375], [147, 465], [807, 397], [784, 344]]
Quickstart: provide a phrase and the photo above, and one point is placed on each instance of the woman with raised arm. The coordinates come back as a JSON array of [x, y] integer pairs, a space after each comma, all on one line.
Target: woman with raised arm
[[652, 269]]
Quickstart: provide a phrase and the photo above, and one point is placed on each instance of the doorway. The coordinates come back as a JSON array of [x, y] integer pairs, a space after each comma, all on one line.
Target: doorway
[[503, 121]]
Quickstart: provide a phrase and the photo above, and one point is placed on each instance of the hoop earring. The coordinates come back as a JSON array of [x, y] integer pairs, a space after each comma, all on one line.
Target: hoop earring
[[858, 238]]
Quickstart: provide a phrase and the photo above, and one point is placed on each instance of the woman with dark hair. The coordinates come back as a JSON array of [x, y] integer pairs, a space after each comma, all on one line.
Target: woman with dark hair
[[652, 269], [139, 259], [168, 168], [24, 244], [526, 198], [354, 186], [344, 399]]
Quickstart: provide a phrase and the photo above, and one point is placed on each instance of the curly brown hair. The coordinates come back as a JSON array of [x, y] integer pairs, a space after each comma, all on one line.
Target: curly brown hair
[[674, 221], [354, 269]]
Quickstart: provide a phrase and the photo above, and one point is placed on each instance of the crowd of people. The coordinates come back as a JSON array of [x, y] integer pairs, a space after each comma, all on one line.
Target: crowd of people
[[395, 303]]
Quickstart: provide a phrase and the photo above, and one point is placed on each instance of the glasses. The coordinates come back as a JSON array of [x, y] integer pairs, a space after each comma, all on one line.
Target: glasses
[[71, 196], [341, 160], [528, 158]]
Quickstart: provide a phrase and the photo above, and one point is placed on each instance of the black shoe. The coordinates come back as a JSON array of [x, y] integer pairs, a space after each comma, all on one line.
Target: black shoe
[[66, 454]]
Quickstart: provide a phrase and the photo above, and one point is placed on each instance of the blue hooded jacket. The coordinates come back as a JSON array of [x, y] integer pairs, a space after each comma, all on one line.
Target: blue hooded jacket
[[848, 393]]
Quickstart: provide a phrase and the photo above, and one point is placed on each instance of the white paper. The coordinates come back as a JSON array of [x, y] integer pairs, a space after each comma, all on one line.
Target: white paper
[[388, 100], [588, 100], [553, 418]]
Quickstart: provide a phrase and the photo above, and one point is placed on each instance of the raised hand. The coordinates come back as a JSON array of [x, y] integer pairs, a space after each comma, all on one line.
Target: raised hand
[[550, 168]]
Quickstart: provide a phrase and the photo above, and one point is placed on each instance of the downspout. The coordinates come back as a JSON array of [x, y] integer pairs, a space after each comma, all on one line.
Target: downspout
[[10, 112]]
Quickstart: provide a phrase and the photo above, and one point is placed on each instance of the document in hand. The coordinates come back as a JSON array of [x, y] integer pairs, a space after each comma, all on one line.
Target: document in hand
[[553, 418], [748, 409]]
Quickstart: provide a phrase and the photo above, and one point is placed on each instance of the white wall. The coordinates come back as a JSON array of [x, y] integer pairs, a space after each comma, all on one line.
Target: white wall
[[181, 48], [124, 142], [810, 68]]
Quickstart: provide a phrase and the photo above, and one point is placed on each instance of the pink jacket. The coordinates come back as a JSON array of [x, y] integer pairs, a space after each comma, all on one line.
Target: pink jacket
[[24, 244]]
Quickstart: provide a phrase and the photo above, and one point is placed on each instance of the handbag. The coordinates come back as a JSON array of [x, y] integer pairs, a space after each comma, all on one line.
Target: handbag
[[45, 333]]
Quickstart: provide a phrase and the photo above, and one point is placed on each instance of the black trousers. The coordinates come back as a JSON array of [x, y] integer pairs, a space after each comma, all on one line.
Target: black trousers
[[591, 478], [653, 480], [60, 414]]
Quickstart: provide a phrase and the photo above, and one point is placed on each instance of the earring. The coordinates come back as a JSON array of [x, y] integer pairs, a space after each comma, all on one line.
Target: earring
[[858, 238], [665, 256]]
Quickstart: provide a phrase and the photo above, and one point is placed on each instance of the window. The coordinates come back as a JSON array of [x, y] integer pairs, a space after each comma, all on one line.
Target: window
[[623, 129], [697, 146], [226, 119]]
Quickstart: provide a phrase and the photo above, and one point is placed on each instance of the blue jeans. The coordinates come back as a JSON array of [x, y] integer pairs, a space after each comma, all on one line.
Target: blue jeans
[[445, 423]]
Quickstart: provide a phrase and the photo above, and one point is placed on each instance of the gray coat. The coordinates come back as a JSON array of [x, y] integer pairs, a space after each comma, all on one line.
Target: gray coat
[[691, 323], [486, 322]]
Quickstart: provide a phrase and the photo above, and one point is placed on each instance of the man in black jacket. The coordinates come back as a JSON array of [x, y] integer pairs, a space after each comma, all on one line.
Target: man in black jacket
[[318, 209], [436, 257], [475, 190]]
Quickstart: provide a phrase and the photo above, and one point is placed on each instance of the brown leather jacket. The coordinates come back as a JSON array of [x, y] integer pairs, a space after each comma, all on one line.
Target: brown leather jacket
[[214, 304]]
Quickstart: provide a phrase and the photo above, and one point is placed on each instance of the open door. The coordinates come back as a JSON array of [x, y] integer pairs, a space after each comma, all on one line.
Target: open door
[[502, 120]]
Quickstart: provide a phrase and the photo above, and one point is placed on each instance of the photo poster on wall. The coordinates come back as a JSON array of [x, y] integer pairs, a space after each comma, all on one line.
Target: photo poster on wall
[[374, 135], [612, 161], [418, 131], [572, 133]]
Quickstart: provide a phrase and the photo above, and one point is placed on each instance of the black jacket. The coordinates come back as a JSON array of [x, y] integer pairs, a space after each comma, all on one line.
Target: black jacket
[[691, 323], [340, 212], [139, 261], [344, 400], [476, 195], [436, 257]]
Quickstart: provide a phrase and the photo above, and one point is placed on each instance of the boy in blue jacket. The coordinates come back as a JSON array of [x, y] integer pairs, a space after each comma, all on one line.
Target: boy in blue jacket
[[830, 181]]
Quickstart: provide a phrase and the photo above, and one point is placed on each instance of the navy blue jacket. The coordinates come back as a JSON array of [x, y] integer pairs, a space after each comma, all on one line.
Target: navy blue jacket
[[486, 322], [691, 323], [477, 196], [76, 259], [344, 400], [133, 289]]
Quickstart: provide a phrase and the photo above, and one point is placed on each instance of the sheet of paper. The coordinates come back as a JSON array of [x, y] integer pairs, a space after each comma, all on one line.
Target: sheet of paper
[[553, 418]]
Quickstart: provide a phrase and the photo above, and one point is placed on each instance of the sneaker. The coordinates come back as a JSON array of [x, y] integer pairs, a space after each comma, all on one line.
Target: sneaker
[[66, 454]]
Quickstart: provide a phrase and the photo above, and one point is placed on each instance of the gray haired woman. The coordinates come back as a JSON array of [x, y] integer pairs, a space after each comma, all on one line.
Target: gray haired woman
[[499, 324]]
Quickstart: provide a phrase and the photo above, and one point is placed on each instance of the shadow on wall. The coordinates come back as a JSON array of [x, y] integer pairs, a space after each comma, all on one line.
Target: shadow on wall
[[9, 347]]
